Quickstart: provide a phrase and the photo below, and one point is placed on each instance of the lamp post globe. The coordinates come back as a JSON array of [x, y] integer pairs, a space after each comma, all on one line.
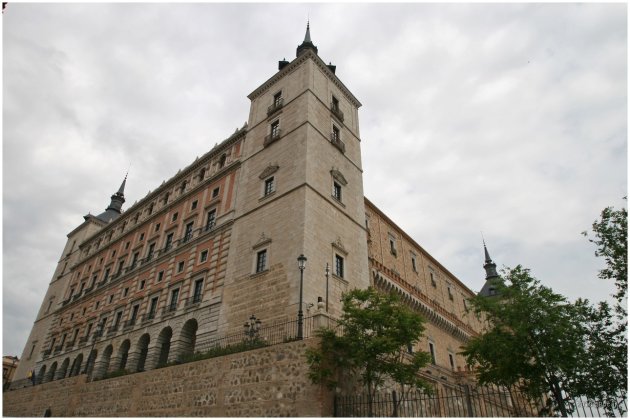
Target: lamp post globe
[[301, 265]]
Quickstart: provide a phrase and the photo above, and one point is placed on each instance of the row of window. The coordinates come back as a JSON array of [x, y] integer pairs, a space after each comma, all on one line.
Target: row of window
[[151, 313], [199, 176], [414, 265], [262, 263], [150, 253]]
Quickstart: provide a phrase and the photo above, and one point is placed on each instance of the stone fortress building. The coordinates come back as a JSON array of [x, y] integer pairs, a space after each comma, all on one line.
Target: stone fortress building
[[219, 241]]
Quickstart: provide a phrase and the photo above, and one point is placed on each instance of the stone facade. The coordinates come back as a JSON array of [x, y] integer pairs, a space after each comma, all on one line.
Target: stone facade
[[191, 261], [259, 383]]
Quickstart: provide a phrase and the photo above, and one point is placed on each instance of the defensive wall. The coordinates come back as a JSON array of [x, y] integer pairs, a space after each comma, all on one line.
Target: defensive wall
[[270, 381]]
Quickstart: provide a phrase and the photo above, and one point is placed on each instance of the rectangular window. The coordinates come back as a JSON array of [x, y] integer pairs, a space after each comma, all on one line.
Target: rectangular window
[[157, 227], [180, 266], [111, 298], [160, 276], [261, 261], [433, 282], [117, 320], [189, 231], [198, 290], [275, 129], [193, 205], [134, 312], [134, 260], [174, 217], [392, 245], [269, 186], [337, 191], [142, 236], [150, 210], [204, 256], [174, 297], [277, 99], [465, 304], [413, 263], [451, 360], [153, 307], [142, 283], [339, 266], [169, 242], [150, 251], [336, 136], [106, 275], [125, 292], [335, 104], [450, 293], [215, 192], [212, 217], [97, 304], [121, 263], [432, 351], [127, 245]]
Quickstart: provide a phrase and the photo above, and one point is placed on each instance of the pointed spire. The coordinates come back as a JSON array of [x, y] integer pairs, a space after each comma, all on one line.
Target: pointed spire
[[307, 37], [121, 190], [307, 44], [113, 211], [489, 266]]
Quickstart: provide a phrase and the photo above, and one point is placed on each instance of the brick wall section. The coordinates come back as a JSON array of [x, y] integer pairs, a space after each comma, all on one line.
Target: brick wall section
[[260, 383]]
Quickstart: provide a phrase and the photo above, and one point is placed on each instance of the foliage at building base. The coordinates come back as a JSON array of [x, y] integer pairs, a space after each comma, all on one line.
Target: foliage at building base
[[541, 343], [371, 342]]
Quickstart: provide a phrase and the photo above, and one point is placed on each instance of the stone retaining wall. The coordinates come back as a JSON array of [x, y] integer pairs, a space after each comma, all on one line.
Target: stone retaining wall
[[271, 381]]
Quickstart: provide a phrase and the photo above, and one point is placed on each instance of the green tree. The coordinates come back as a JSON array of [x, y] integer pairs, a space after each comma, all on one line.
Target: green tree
[[538, 341], [611, 238], [371, 343]]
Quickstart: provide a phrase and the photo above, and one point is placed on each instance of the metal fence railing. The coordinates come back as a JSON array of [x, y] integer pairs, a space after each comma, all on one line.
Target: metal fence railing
[[465, 401]]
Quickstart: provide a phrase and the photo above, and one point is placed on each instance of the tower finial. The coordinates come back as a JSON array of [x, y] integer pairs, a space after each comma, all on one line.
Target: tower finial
[[307, 43]]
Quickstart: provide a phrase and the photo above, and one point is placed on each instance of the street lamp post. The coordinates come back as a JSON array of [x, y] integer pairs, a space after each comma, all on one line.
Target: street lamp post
[[301, 265], [327, 274]]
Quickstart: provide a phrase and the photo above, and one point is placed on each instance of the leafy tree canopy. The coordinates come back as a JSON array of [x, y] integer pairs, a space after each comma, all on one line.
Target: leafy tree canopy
[[371, 343], [537, 340], [611, 238]]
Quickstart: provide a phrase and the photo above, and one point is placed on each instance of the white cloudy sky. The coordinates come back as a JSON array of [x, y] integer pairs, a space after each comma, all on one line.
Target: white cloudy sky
[[507, 119]]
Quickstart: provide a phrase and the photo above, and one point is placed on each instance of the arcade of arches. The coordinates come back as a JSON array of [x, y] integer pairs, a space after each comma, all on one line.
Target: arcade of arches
[[145, 353]]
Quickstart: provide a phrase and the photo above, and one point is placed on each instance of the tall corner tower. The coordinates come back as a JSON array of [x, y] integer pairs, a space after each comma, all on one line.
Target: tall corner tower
[[300, 191]]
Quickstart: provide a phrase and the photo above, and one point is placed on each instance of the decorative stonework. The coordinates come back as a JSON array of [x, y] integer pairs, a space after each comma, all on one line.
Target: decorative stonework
[[270, 170], [338, 176], [339, 245], [262, 241]]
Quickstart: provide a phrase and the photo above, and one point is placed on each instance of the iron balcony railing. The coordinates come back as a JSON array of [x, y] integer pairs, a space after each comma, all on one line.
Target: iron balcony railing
[[276, 106], [336, 111], [270, 138], [336, 141]]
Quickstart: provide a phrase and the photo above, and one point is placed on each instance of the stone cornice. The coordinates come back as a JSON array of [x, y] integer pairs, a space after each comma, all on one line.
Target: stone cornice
[[370, 205], [388, 281], [293, 65], [239, 135]]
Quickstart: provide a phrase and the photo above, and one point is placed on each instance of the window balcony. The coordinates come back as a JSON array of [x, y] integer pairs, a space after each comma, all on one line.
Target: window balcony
[[276, 106], [46, 353], [336, 141], [58, 349], [270, 138], [69, 345], [82, 341], [187, 237], [336, 111]]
